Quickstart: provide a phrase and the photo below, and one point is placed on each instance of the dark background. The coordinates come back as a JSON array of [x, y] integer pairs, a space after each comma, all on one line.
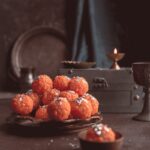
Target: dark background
[[18, 16], [130, 17]]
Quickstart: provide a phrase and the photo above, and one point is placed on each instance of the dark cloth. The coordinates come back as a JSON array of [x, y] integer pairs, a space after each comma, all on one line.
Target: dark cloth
[[91, 30]]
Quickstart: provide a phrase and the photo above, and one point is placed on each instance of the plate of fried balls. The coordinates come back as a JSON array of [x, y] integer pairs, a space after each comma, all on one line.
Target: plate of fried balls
[[60, 103]]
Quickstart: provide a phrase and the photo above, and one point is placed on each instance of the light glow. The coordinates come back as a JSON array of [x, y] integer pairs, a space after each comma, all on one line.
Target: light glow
[[115, 51]]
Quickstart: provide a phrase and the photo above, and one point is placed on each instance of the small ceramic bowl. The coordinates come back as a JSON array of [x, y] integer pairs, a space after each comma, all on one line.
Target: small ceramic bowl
[[88, 145]]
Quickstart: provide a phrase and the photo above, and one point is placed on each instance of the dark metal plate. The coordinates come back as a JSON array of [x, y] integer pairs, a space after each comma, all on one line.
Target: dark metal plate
[[71, 125], [41, 47], [78, 64]]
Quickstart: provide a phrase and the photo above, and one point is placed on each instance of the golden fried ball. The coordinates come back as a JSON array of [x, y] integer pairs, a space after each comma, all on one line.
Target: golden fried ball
[[81, 108], [22, 104], [79, 85], [61, 82], [35, 97], [59, 109], [70, 95], [48, 96], [94, 102], [42, 84], [41, 113]]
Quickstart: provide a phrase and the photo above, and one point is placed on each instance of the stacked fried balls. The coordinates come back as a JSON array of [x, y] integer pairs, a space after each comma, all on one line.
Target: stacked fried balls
[[59, 99]]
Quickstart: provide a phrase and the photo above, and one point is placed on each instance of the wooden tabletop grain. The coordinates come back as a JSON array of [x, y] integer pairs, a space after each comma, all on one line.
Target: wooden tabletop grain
[[136, 134]]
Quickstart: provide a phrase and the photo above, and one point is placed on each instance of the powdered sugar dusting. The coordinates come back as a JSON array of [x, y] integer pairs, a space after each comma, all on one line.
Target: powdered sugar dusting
[[44, 106], [58, 100], [106, 128], [71, 92], [87, 94], [99, 127], [20, 97], [80, 100]]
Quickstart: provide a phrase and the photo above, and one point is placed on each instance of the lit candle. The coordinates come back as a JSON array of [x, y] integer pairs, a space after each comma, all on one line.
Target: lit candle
[[115, 51], [115, 56]]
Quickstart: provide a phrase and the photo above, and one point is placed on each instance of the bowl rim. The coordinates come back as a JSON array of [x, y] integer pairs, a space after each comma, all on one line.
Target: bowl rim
[[78, 62], [118, 140], [141, 63]]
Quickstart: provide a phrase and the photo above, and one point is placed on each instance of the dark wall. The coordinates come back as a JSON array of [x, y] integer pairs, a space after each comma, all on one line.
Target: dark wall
[[18, 16], [123, 24], [130, 17]]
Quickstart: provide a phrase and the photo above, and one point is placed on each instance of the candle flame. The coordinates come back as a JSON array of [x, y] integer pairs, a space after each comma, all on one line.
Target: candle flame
[[115, 51]]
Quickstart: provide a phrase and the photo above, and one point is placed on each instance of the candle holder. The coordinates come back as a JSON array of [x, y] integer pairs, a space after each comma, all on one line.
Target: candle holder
[[115, 56], [141, 73]]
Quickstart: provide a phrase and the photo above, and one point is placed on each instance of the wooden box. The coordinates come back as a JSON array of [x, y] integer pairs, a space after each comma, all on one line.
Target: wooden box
[[115, 89]]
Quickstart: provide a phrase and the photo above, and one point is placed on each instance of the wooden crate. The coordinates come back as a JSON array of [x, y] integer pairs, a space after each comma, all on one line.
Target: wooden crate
[[115, 89]]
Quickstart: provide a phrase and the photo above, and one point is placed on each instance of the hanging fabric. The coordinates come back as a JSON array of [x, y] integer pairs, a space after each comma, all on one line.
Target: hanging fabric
[[91, 30]]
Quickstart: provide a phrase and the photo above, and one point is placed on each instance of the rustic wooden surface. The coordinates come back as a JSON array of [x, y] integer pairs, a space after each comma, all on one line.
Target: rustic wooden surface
[[136, 134]]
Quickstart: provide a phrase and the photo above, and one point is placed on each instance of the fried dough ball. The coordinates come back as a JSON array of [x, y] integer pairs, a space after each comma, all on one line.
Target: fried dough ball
[[22, 104], [70, 95], [61, 82], [35, 97], [81, 108], [41, 113], [59, 109], [49, 96], [94, 102], [79, 85], [42, 83], [100, 133]]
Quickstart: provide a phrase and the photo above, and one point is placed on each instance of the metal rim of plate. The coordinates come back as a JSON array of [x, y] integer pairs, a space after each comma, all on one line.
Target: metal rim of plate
[[78, 64], [15, 64], [70, 126]]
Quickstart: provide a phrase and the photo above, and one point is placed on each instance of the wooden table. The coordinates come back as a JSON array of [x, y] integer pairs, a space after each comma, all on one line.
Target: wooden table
[[136, 134]]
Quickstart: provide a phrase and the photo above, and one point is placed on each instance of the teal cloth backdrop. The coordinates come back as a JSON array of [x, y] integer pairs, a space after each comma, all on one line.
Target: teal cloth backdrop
[[92, 31]]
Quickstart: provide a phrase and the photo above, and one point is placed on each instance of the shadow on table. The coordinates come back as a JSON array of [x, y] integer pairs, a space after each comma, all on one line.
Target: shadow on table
[[29, 127], [31, 131]]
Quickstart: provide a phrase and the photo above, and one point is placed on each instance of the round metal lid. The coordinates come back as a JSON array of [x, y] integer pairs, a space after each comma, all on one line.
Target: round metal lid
[[41, 47]]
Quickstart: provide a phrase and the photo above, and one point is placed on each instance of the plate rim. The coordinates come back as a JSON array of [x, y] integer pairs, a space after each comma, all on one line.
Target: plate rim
[[79, 64], [12, 120], [15, 52]]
